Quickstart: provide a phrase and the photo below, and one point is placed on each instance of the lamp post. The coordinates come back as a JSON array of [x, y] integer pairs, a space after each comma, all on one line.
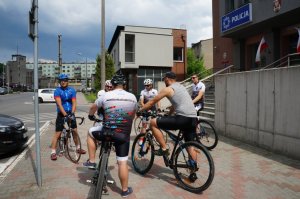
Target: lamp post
[[86, 80]]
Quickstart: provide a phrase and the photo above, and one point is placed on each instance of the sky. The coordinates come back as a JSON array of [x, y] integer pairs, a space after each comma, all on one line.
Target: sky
[[79, 23]]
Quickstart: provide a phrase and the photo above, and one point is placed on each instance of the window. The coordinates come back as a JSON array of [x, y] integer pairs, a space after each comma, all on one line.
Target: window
[[129, 48], [178, 54], [229, 6]]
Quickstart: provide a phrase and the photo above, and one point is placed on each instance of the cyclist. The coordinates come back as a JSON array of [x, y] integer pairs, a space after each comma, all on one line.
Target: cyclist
[[185, 118], [120, 107], [146, 95], [108, 87], [65, 98], [198, 90]]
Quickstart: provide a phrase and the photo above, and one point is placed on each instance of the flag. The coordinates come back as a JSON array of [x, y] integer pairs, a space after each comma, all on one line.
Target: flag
[[262, 46], [298, 44]]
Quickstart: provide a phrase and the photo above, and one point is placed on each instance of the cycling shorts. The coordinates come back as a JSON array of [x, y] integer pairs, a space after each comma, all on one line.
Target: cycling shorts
[[121, 141], [185, 124], [59, 126]]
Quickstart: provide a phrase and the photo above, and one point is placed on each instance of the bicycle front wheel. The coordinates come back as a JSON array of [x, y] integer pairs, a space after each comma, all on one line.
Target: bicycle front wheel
[[101, 177], [193, 167], [206, 134], [138, 124], [71, 146], [142, 153]]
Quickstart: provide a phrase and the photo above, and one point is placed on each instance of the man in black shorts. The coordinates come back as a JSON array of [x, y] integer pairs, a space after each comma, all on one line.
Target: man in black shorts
[[185, 117], [119, 110]]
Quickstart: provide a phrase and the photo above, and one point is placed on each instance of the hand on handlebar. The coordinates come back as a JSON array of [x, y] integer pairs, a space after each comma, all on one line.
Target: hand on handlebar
[[71, 116], [92, 117]]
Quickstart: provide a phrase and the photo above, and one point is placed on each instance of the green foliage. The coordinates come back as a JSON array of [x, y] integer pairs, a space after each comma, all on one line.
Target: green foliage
[[195, 65], [90, 97], [109, 70]]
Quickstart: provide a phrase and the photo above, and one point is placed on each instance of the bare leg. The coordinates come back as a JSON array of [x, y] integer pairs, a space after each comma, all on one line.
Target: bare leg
[[91, 145], [54, 140], [157, 134], [123, 174]]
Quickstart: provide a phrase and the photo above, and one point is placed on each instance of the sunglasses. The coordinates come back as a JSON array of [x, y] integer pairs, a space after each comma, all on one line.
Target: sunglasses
[[147, 85], [194, 77], [110, 87], [64, 80]]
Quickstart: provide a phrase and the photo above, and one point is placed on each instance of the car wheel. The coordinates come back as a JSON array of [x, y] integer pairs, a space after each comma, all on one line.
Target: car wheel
[[40, 100]]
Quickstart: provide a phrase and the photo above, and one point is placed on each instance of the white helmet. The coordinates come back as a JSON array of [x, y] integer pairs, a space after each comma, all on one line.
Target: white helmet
[[101, 92], [108, 83], [147, 82]]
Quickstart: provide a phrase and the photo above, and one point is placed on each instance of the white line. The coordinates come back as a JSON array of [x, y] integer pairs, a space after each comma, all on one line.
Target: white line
[[16, 159]]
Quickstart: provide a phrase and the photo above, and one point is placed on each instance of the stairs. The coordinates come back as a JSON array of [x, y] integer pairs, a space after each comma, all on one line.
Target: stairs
[[208, 112]]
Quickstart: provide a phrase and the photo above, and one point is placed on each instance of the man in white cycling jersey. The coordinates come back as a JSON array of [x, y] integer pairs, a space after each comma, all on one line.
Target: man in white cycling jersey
[[198, 90], [119, 110]]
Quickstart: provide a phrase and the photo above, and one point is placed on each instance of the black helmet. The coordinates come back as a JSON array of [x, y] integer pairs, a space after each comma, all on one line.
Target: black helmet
[[118, 79]]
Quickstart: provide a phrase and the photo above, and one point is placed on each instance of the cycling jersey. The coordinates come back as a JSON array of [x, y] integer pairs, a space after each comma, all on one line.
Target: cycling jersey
[[148, 95], [66, 95], [195, 91], [119, 110]]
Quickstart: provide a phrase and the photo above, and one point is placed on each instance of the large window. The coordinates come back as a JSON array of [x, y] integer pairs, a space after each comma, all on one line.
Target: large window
[[129, 48], [178, 54]]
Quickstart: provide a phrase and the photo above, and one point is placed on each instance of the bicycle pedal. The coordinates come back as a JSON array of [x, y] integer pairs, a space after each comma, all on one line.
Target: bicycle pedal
[[105, 191], [110, 181]]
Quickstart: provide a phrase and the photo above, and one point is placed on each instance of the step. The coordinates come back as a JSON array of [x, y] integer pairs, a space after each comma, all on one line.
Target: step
[[208, 119], [207, 114], [209, 100], [209, 109]]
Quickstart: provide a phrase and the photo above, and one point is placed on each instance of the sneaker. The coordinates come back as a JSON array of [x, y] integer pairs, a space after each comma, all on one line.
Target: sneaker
[[124, 194], [89, 164], [53, 156], [81, 151], [161, 152]]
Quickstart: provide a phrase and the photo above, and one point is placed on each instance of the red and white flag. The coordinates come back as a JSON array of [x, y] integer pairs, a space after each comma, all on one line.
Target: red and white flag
[[298, 44], [262, 46]]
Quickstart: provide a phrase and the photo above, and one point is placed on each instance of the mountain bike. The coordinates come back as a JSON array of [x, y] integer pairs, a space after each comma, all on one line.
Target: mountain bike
[[206, 134], [66, 142], [193, 174], [100, 179]]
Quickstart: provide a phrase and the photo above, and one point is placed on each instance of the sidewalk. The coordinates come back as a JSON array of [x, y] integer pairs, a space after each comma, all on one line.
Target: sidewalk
[[242, 171]]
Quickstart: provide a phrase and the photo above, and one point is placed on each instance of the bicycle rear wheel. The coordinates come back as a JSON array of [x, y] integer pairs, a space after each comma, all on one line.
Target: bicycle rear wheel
[[101, 177], [142, 153], [138, 125], [206, 134], [72, 148], [197, 173]]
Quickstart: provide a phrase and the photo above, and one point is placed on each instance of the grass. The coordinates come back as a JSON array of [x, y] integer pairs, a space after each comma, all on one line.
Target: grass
[[90, 97]]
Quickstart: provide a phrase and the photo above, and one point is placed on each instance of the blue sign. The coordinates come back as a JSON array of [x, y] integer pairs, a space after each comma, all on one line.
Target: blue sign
[[237, 17]]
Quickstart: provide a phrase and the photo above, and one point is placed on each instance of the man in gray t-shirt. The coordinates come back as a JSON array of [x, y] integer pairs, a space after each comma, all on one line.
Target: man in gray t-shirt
[[185, 118]]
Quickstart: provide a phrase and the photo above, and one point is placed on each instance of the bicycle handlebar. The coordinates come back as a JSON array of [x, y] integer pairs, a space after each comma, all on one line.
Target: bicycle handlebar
[[82, 120]]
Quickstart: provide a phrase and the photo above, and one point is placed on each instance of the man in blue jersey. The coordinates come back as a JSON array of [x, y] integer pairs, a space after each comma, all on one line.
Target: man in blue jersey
[[65, 98]]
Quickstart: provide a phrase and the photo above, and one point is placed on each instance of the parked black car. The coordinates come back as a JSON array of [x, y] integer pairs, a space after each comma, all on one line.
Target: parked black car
[[13, 134]]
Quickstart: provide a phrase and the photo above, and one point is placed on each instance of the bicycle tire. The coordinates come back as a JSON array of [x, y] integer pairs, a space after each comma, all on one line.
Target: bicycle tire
[[142, 159], [138, 125], [197, 177], [206, 134], [101, 177], [71, 147]]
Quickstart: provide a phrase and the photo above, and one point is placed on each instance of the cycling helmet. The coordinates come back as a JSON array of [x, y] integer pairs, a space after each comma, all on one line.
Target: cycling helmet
[[147, 82], [118, 79], [63, 76], [108, 83]]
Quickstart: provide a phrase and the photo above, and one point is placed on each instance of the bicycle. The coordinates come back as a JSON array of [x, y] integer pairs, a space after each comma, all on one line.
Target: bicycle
[[100, 179], [206, 134], [66, 141], [192, 175]]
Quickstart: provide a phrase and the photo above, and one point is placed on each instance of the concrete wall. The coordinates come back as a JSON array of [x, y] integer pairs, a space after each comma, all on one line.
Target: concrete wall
[[261, 108]]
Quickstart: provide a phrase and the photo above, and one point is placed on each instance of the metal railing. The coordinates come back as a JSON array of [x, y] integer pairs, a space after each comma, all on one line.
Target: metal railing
[[286, 61], [208, 80]]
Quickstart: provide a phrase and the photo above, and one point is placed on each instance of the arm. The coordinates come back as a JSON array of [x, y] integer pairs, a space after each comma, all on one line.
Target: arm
[[93, 109], [165, 92], [199, 96], [73, 105], [60, 107]]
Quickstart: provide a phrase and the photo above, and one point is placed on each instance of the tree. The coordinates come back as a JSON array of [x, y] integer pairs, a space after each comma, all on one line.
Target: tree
[[1, 68], [195, 66], [109, 70]]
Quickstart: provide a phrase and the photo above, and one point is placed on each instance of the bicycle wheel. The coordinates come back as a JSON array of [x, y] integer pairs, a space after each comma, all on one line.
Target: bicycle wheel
[[72, 148], [101, 177], [138, 125], [142, 153], [206, 134], [197, 173]]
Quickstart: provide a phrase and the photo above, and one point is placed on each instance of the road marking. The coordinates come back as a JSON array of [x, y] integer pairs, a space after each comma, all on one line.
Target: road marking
[[13, 161], [28, 102]]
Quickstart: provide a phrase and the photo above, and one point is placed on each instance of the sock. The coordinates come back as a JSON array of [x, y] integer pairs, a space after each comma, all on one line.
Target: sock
[[53, 151]]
